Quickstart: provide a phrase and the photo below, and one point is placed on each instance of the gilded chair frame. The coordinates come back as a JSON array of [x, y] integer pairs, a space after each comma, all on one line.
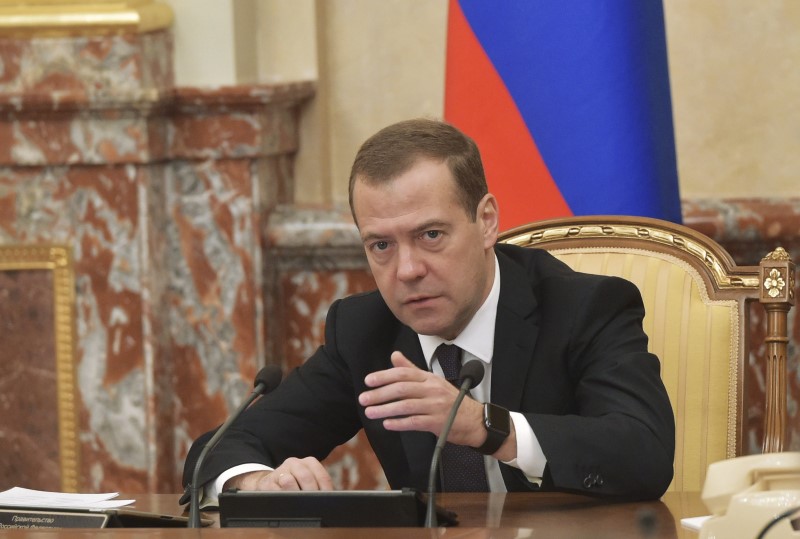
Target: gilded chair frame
[[57, 259], [719, 281]]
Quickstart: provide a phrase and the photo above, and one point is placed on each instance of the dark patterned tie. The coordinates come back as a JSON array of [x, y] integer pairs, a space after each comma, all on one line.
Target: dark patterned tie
[[462, 466]]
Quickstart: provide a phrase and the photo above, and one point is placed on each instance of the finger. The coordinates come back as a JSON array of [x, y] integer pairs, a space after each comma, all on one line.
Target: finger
[[393, 375], [267, 481], [286, 481], [416, 414], [402, 370], [414, 422], [396, 391], [399, 360], [310, 474], [395, 408], [301, 474]]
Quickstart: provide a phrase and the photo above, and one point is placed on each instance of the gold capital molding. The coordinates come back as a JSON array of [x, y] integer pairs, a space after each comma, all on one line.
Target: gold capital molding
[[50, 18]]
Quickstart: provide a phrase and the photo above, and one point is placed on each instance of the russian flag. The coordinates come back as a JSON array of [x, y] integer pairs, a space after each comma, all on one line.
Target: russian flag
[[569, 103]]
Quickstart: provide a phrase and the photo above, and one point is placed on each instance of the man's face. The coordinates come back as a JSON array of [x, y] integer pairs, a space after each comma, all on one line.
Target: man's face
[[433, 265]]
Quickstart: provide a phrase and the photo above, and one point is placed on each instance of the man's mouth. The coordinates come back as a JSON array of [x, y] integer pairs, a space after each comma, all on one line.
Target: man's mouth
[[418, 300]]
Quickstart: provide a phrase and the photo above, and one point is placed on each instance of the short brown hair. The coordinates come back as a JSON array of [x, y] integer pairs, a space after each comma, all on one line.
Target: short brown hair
[[394, 149]]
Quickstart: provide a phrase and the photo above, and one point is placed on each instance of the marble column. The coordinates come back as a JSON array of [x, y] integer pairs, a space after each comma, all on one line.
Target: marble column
[[160, 193]]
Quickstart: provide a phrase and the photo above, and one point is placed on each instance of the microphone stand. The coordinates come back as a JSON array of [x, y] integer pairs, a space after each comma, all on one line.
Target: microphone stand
[[268, 377], [430, 514]]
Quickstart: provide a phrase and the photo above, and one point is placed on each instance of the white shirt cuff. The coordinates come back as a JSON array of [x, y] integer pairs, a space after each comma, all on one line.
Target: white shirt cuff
[[530, 457], [213, 488]]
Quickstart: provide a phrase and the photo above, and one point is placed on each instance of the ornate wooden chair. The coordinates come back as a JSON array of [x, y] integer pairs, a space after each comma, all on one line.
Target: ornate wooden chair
[[698, 320]]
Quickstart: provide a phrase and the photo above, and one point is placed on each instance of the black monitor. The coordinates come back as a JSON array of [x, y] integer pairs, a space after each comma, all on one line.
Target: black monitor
[[326, 509]]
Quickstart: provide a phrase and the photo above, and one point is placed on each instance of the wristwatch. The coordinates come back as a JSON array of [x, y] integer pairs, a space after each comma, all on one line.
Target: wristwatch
[[497, 422]]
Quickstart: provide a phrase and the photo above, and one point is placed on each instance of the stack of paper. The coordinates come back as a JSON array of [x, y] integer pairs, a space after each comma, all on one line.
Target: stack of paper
[[23, 497]]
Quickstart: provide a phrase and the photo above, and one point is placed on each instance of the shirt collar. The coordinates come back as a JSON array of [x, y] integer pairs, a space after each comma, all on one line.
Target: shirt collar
[[478, 337]]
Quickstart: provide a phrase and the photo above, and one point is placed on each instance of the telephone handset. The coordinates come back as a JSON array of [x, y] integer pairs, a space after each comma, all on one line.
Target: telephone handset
[[745, 493]]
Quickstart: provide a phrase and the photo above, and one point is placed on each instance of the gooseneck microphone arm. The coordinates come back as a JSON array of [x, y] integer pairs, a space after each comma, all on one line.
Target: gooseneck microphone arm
[[469, 376], [266, 380]]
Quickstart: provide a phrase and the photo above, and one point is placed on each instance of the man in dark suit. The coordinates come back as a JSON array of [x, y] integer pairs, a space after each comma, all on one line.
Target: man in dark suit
[[571, 399]]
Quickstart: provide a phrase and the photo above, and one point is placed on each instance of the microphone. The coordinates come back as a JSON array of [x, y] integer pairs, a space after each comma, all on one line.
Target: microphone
[[266, 380], [469, 376]]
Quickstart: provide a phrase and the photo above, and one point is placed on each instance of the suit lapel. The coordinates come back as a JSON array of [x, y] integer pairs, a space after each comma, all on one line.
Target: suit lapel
[[516, 332], [408, 343]]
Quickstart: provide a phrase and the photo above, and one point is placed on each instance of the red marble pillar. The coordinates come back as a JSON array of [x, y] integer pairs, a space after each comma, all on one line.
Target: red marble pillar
[[232, 152], [160, 193]]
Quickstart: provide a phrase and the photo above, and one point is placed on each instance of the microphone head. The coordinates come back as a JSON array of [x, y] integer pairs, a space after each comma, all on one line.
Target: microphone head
[[473, 371], [270, 378]]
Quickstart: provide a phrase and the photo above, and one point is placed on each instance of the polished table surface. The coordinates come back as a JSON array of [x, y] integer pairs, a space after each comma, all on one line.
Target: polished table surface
[[515, 515]]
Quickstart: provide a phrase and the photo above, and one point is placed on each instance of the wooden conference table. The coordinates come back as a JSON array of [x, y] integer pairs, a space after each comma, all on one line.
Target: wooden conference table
[[501, 516]]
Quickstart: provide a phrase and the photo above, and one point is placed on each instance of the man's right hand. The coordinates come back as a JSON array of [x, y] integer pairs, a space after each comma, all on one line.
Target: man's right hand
[[294, 474]]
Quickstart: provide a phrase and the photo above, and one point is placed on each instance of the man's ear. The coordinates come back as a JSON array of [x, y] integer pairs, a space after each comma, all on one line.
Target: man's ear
[[489, 218]]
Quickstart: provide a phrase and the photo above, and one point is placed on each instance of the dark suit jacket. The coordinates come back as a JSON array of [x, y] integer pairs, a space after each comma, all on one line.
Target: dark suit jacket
[[569, 354]]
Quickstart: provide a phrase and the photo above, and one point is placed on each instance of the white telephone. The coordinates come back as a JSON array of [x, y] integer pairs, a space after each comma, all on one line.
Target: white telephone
[[744, 494]]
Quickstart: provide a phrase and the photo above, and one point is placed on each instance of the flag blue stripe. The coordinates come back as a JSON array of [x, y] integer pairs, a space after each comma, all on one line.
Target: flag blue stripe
[[591, 82]]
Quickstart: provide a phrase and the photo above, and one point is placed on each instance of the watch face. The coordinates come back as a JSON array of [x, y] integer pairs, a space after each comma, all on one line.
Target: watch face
[[497, 419]]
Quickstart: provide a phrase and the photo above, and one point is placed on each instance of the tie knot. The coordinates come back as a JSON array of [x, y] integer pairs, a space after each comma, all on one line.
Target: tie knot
[[449, 356]]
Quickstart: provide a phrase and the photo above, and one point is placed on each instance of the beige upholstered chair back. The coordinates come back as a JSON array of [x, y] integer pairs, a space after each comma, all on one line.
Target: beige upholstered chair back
[[696, 318]]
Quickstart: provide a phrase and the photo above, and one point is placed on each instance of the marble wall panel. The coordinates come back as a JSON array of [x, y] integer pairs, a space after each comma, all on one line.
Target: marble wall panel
[[37, 138], [158, 364], [160, 193], [30, 438], [231, 155], [232, 152], [80, 69], [239, 121], [233, 162], [42, 137], [97, 212], [214, 308], [748, 228]]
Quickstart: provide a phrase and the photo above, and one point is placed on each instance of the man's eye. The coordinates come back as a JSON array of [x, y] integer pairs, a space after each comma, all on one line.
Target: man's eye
[[432, 234], [380, 245]]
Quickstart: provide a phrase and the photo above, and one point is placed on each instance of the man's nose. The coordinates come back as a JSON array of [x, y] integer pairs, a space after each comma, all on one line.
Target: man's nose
[[410, 264]]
